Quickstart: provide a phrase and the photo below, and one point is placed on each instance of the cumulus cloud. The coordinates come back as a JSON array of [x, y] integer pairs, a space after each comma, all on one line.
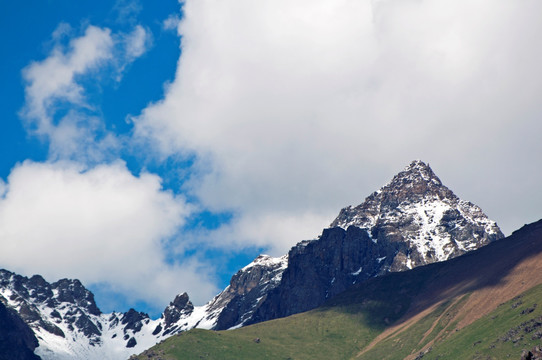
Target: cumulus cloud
[[303, 107], [104, 226], [52, 85], [83, 214]]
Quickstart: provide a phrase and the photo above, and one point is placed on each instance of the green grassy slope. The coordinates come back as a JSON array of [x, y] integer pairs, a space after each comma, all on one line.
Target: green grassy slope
[[417, 336], [342, 332], [336, 331], [399, 315], [513, 326]]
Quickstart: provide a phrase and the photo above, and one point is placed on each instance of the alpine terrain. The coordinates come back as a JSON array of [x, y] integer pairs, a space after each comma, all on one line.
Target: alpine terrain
[[64, 320], [482, 305], [411, 221]]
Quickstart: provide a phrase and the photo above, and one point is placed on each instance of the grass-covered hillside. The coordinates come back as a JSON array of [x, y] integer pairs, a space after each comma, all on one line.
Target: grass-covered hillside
[[484, 305]]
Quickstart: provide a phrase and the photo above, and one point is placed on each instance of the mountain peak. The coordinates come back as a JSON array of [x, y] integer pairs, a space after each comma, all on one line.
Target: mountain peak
[[417, 164], [415, 208], [419, 169], [415, 181]]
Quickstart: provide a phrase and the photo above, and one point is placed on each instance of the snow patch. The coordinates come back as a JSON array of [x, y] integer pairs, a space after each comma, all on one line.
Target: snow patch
[[356, 273]]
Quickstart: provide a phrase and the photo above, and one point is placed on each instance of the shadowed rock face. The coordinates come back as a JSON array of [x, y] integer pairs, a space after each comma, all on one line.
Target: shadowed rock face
[[17, 341], [180, 307], [133, 320]]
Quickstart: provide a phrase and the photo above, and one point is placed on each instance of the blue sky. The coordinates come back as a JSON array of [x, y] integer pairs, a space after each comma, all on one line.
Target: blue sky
[[151, 148]]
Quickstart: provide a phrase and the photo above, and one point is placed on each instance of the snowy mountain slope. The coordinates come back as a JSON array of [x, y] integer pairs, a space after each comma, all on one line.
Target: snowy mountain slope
[[68, 324], [415, 208], [247, 290]]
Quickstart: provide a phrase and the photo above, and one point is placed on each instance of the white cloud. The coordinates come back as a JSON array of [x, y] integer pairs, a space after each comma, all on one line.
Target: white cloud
[[3, 188], [137, 42], [127, 10], [102, 225], [62, 30], [172, 22], [57, 83], [53, 79], [267, 230], [53, 83], [304, 107]]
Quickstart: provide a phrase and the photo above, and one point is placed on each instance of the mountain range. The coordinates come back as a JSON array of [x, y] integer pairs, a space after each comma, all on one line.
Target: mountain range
[[413, 220]]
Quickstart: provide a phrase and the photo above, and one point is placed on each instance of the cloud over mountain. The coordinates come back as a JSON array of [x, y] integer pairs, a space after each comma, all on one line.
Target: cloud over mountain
[[102, 225], [287, 107]]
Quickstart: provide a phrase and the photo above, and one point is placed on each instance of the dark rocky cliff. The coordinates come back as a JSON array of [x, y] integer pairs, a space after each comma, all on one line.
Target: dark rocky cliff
[[17, 340]]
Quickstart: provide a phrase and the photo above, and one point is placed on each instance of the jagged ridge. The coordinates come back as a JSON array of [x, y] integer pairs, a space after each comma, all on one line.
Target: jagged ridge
[[68, 324]]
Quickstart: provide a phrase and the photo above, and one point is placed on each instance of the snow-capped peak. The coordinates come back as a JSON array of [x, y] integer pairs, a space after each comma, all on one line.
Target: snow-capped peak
[[268, 261], [414, 207]]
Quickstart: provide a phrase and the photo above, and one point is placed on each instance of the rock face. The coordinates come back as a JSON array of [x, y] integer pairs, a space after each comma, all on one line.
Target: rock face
[[180, 307], [17, 341], [534, 354], [248, 289]]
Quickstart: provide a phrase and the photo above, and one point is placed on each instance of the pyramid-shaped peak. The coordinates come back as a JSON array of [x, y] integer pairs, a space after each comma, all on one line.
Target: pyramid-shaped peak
[[418, 162], [417, 171], [418, 211], [418, 165], [415, 181]]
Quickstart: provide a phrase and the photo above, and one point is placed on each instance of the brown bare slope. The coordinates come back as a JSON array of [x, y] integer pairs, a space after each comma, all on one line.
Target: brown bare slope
[[467, 288]]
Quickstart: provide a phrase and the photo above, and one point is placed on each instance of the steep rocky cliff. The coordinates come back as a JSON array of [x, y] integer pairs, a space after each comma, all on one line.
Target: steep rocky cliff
[[17, 341]]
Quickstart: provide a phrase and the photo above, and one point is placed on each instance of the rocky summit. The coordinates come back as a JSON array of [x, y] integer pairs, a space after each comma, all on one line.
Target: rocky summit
[[429, 221]]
